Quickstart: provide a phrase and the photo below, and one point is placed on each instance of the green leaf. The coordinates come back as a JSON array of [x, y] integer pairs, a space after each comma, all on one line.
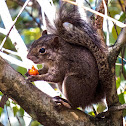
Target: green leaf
[[1, 110], [121, 98], [39, 66], [124, 112], [91, 113], [21, 111], [114, 31], [122, 17], [1, 94], [111, 38], [124, 70], [101, 108], [21, 70], [8, 103], [35, 123], [118, 82], [31, 34], [15, 110]]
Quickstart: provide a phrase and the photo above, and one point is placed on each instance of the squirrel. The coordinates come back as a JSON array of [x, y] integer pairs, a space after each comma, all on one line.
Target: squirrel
[[74, 58]]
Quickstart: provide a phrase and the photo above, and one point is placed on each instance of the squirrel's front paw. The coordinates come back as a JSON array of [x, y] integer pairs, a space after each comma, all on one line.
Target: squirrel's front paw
[[32, 78]]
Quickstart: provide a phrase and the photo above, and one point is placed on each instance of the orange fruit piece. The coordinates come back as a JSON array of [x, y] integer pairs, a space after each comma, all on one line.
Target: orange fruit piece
[[33, 71]]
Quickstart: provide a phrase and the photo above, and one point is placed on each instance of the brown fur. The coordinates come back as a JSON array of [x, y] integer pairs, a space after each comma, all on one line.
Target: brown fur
[[75, 58]]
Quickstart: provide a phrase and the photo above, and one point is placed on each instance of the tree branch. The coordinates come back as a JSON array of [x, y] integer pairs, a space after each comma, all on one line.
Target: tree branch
[[98, 22], [118, 108], [36, 103], [98, 19], [115, 50]]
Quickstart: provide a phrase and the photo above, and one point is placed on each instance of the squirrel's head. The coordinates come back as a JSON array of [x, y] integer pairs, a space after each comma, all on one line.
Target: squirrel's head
[[44, 50]]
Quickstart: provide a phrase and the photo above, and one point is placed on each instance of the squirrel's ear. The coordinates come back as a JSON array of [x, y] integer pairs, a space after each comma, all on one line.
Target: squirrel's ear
[[44, 32], [56, 39], [55, 42]]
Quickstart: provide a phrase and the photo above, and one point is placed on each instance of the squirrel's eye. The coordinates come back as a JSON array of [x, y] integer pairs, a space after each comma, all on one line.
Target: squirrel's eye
[[42, 50]]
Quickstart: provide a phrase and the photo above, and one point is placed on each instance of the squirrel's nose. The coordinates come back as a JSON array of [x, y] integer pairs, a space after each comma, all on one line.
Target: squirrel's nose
[[30, 57]]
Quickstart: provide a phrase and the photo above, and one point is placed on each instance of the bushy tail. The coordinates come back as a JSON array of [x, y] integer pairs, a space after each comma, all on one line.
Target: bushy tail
[[70, 14], [82, 33]]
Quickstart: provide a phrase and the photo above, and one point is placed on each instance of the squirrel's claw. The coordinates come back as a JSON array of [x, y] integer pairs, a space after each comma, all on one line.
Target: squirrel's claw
[[27, 74], [61, 103]]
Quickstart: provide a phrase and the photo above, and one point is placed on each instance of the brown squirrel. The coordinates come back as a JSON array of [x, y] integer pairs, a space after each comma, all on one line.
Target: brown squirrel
[[74, 58]]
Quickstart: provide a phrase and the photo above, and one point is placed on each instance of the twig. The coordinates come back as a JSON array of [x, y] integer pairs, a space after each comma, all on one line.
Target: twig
[[123, 52], [120, 24], [106, 14], [114, 25], [8, 116], [14, 36], [121, 5], [25, 4], [88, 4], [122, 58], [30, 14], [118, 64], [17, 118], [9, 51], [34, 19], [94, 111], [13, 60]]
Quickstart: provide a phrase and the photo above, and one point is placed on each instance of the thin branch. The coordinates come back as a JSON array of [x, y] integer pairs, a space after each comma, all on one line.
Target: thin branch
[[120, 24], [122, 53], [122, 58], [118, 64], [9, 51], [25, 4], [34, 19], [114, 25], [88, 4], [106, 14], [49, 12], [18, 120], [14, 60], [8, 116], [30, 14], [115, 50], [6, 37], [118, 108], [121, 5], [14, 35]]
